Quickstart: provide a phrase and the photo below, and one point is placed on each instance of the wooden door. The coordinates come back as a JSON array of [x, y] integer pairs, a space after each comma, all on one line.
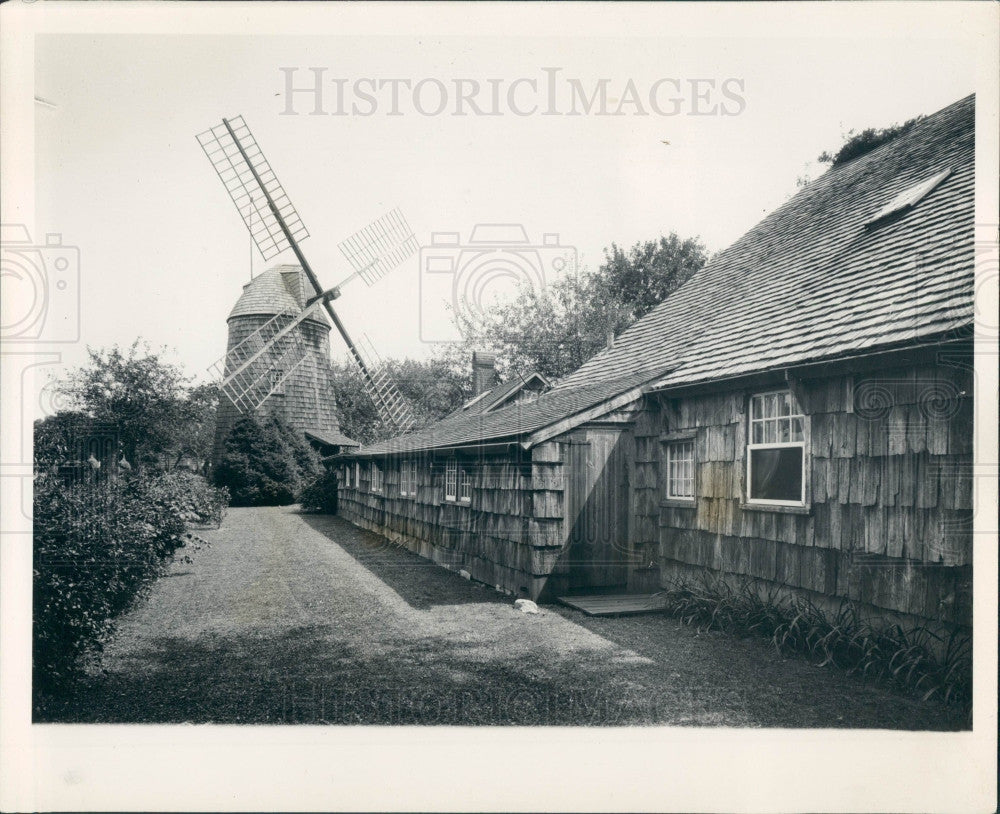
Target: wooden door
[[597, 509]]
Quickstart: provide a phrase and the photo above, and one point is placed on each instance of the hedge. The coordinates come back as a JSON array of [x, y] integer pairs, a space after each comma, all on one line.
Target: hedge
[[97, 548]]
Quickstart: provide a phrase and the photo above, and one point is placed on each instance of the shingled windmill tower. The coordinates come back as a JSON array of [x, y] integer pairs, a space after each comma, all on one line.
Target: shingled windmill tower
[[303, 394]]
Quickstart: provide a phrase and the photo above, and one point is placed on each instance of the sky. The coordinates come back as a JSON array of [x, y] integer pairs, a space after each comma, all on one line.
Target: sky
[[163, 253]]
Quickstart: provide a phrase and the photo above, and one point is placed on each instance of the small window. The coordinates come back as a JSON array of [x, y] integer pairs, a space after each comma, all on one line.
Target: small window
[[347, 476], [357, 474], [464, 485], [376, 485], [408, 478], [680, 470], [451, 479], [277, 382], [776, 450]]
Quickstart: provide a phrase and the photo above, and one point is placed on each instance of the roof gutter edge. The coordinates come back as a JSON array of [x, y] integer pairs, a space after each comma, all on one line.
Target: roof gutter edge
[[888, 349]]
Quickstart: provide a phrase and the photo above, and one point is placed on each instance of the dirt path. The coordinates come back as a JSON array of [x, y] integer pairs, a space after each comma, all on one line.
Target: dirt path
[[295, 618]]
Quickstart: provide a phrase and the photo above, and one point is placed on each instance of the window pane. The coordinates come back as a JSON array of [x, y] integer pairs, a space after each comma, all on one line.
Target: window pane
[[784, 404], [784, 430], [756, 408], [758, 433], [776, 474], [680, 465], [797, 429], [770, 433]]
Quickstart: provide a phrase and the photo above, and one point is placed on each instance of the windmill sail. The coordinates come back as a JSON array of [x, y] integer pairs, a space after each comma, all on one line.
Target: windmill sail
[[378, 248], [246, 175], [383, 391], [256, 368]]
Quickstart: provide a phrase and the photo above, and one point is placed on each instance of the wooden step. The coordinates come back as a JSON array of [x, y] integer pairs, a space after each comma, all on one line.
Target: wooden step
[[614, 604]]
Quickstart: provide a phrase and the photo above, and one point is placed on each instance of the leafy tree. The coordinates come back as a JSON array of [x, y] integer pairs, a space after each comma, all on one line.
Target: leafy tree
[[433, 388], [56, 435], [321, 494], [266, 462], [195, 433], [161, 418], [641, 278], [137, 391], [555, 330], [552, 331]]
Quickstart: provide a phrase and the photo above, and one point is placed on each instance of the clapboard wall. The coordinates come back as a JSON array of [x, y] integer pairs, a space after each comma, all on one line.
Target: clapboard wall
[[888, 520]]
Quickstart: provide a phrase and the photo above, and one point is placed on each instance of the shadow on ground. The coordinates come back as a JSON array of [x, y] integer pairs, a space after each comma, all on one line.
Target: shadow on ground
[[420, 582], [306, 676]]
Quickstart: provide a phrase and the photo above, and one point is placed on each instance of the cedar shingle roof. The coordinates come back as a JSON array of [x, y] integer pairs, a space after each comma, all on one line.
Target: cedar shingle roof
[[511, 423], [278, 289], [330, 438], [809, 282]]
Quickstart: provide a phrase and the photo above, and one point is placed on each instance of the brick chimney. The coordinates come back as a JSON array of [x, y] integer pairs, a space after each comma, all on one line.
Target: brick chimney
[[484, 371]]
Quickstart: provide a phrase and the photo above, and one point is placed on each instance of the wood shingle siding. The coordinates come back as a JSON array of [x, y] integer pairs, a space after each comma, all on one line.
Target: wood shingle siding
[[496, 536], [889, 489]]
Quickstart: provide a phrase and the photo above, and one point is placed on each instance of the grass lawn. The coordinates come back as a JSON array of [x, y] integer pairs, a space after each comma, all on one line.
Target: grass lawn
[[296, 618]]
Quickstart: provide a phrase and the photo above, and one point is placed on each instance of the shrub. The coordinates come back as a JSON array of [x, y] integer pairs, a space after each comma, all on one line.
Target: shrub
[[97, 547], [266, 463], [857, 144], [190, 497], [908, 659], [56, 437], [321, 494]]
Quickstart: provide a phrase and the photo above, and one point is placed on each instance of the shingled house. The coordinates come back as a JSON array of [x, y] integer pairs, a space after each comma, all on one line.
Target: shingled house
[[799, 412]]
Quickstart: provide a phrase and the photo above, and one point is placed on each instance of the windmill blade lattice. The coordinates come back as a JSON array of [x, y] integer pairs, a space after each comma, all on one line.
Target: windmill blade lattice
[[382, 390], [220, 145], [256, 367], [378, 248]]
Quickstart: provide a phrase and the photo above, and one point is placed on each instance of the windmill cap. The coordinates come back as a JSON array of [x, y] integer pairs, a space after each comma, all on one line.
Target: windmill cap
[[280, 288]]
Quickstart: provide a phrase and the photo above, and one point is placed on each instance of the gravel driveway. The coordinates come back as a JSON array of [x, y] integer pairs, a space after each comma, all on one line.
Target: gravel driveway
[[303, 618]]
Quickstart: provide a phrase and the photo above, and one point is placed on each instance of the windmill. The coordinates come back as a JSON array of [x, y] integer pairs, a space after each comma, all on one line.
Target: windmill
[[257, 366]]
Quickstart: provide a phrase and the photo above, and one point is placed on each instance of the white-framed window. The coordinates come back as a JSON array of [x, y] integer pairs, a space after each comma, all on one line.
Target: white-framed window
[[451, 479], [357, 474], [277, 382], [680, 470], [347, 476], [408, 478], [376, 484], [776, 450], [464, 485]]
